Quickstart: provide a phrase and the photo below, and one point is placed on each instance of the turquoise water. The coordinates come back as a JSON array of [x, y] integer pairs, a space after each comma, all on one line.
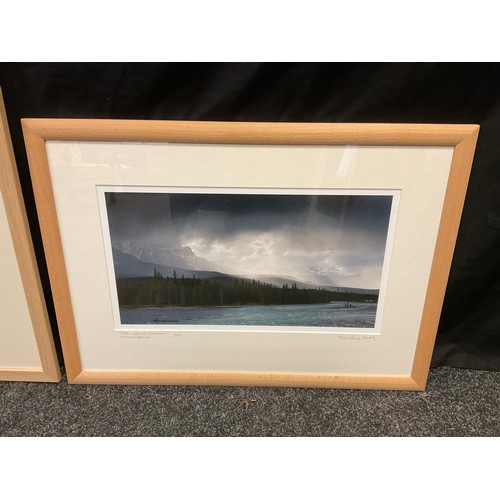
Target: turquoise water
[[335, 314]]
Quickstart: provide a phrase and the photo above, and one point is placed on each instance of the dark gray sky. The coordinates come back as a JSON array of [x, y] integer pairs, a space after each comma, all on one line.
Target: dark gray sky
[[325, 240]]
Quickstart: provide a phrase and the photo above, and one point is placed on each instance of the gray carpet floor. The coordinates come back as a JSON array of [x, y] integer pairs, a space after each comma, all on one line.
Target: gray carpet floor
[[456, 403]]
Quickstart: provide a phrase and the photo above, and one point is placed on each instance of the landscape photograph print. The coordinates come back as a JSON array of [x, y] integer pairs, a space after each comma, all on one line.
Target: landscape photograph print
[[286, 259]]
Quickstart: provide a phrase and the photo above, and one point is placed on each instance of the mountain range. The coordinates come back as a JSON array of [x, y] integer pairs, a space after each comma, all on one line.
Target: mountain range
[[133, 260], [182, 257]]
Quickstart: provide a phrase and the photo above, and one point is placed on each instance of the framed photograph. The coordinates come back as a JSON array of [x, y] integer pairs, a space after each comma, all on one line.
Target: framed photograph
[[27, 350], [278, 254]]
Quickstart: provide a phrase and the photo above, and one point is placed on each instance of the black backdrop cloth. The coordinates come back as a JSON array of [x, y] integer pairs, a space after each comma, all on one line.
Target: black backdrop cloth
[[469, 330]]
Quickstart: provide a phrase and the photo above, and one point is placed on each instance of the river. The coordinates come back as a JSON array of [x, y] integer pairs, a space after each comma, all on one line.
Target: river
[[334, 314]]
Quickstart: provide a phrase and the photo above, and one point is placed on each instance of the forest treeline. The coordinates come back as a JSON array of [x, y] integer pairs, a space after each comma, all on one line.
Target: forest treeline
[[192, 291]]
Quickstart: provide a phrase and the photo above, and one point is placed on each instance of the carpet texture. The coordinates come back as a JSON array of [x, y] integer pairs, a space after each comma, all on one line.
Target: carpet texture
[[455, 403]]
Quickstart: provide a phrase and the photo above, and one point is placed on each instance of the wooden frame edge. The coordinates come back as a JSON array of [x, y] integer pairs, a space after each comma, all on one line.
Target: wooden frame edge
[[462, 137], [44, 197], [264, 379], [11, 192], [456, 191], [246, 132], [27, 375]]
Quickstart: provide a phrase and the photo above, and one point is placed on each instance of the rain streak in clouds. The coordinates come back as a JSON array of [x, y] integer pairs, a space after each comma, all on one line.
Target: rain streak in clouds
[[333, 240]]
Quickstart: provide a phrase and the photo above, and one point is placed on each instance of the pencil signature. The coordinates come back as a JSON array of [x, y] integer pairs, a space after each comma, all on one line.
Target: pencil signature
[[357, 337]]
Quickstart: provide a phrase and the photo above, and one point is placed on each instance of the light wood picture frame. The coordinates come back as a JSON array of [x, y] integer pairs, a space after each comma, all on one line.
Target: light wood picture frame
[[79, 168], [27, 351]]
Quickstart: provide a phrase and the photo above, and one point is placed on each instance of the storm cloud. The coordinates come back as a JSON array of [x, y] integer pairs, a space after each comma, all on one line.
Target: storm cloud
[[335, 240]]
